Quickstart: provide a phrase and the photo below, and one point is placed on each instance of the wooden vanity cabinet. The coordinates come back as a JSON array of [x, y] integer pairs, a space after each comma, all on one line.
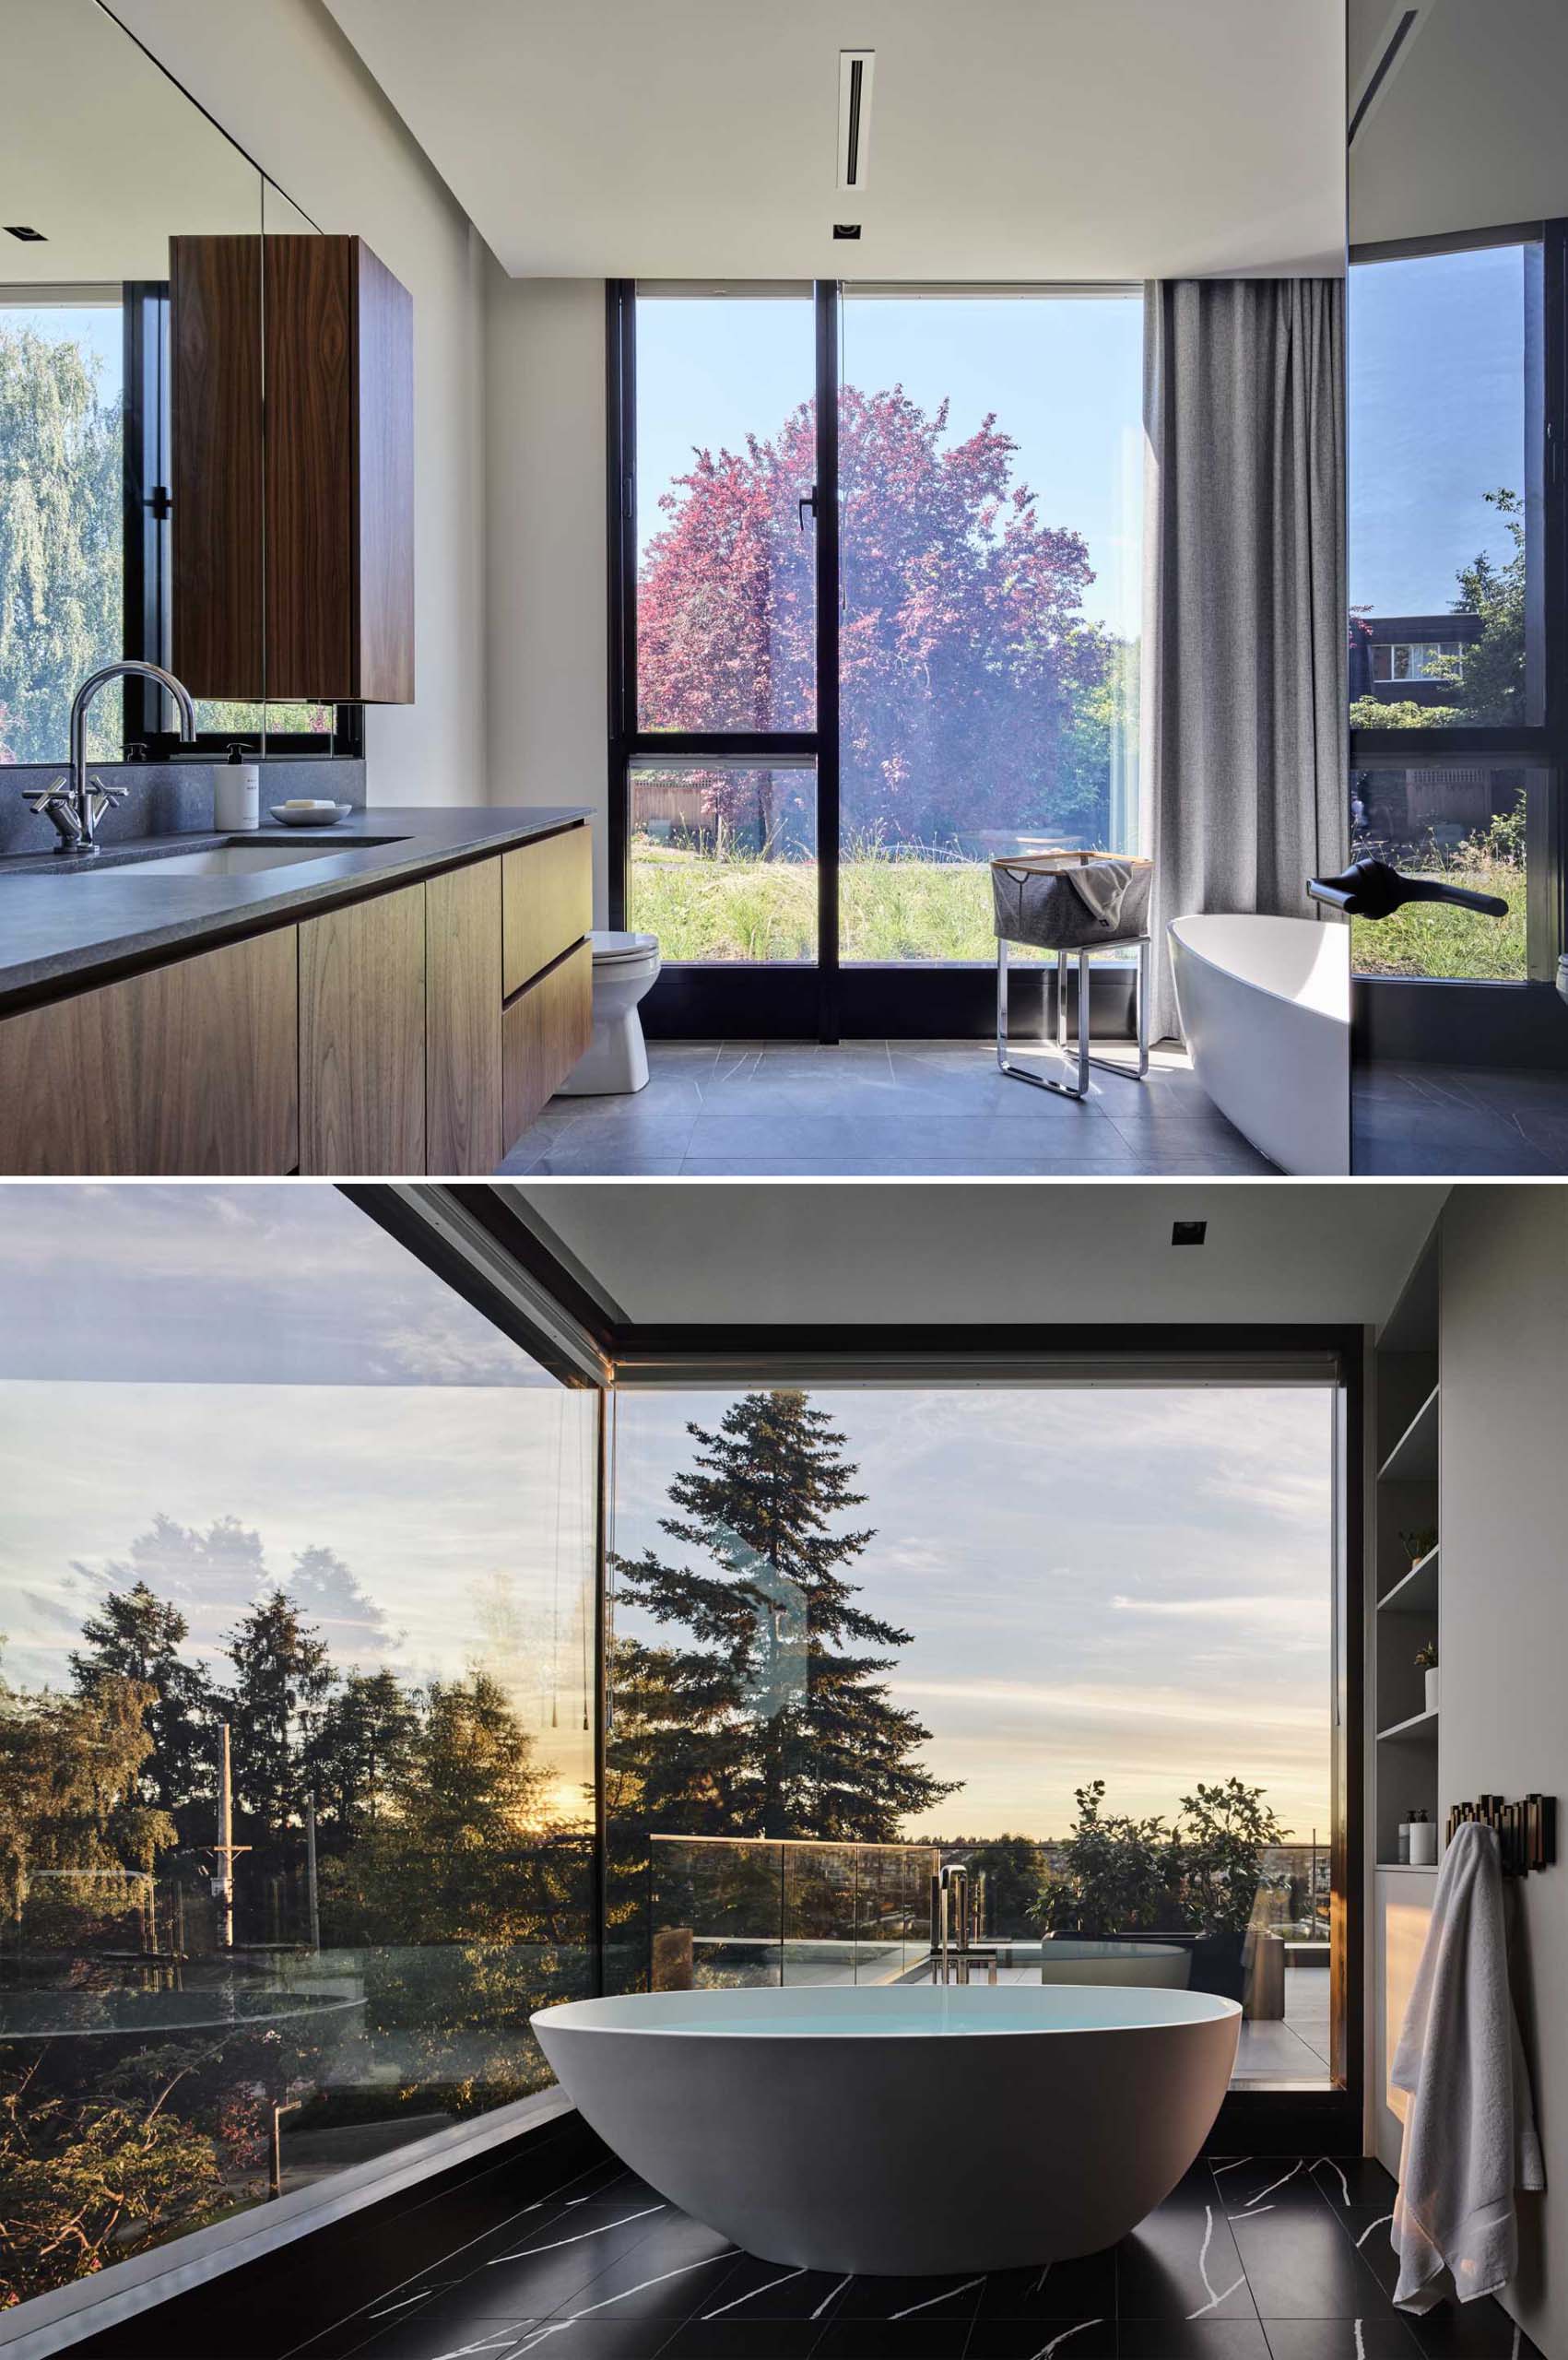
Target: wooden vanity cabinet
[[547, 902], [362, 1037], [463, 1130], [545, 1029], [188, 1068]]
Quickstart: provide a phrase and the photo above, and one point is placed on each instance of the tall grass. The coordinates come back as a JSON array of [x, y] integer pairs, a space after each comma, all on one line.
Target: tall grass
[[890, 908]]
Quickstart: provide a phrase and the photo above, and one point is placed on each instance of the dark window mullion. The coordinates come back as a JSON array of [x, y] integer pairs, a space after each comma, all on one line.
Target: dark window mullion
[[826, 293]]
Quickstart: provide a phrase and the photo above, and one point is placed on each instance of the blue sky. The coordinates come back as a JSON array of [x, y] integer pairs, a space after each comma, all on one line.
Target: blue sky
[[1436, 420], [1436, 407], [1100, 1583], [1064, 377]]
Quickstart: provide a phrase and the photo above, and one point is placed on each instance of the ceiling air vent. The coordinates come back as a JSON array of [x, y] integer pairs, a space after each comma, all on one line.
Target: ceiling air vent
[[29, 237], [854, 115]]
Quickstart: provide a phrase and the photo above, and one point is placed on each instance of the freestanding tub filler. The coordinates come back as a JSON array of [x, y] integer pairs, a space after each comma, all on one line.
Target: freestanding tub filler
[[1266, 1007], [809, 2125]]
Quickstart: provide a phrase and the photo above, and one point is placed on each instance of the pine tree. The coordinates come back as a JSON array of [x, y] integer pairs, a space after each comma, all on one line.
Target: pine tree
[[768, 1716], [138, 1637], [282, 1676]]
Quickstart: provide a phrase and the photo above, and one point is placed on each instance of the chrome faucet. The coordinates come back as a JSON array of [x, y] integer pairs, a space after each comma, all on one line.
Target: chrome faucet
[[76, 803]]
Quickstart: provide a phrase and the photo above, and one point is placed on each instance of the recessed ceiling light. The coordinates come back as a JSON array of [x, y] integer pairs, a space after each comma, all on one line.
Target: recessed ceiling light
[[1188, 1233], [29, 237], [846, 228]]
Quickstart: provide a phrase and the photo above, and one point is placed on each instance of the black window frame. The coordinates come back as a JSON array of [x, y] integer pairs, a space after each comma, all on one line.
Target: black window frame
[[147, 629], [1424, 1014], [820, 999]]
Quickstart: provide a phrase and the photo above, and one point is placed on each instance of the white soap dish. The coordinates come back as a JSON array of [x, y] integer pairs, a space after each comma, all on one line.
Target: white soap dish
[[313, 815]]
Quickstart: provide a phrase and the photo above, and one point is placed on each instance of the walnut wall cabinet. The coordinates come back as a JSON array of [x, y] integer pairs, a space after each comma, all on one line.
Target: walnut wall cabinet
[[378, 1037], [318, 472]]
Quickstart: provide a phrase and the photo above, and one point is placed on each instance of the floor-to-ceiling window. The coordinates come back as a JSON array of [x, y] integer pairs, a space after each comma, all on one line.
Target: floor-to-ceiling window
[[1453, 598], [1080, 1637], [991, 457], [297, 1705], [877, 581]]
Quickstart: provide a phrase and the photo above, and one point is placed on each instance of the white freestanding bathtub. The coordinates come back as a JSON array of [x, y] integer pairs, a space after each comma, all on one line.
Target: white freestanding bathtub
[[814, 2127], [1266, 1007]]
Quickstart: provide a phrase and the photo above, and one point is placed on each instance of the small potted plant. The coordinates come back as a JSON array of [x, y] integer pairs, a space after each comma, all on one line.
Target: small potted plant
[[1426, 1660], [1419, 1543]]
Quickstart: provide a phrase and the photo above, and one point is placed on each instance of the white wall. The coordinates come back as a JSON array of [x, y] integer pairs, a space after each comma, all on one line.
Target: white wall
[[545, 545], [283, 81], [1504, 1723]]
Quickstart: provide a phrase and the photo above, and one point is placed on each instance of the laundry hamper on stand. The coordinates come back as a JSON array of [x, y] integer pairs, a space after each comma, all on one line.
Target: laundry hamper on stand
[[1073, 904]]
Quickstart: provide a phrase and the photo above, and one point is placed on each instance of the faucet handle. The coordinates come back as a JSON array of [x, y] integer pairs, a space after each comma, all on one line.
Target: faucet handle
[[109, 791], [56, 802]]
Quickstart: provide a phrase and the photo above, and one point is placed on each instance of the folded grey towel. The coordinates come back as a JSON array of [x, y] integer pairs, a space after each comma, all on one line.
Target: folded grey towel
[[1470, 2130], [1102, 887]]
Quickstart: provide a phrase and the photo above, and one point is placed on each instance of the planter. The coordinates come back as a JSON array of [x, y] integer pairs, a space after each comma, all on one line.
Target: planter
[[1432, 1689]]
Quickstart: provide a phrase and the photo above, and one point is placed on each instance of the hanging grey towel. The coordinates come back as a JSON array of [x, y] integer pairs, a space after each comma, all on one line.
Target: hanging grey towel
[[1075, 907], [1470, 2131]]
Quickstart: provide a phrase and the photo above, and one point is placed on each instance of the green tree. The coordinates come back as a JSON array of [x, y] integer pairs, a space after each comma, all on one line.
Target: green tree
[[138, 1636], [282, 1677], [360, 1751], [1490, 675], [768, 1717], [60, 542], [1224, 1829], [1118, 1874]]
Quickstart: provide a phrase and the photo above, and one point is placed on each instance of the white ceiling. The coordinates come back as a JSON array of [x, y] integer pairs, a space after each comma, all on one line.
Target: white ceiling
[[1028, 1254], [104, 154], [1468, 129], [1010, 140]]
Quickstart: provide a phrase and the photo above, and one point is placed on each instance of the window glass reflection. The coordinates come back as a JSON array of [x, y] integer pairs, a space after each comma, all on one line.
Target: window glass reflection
[[296, 1745]]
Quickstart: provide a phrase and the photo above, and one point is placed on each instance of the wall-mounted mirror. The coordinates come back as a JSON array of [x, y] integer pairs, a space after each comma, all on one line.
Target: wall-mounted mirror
[[87, 468], [1458, 561]]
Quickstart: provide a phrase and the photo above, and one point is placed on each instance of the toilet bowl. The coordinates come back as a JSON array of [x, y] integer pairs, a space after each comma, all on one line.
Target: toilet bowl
[[626, 967]]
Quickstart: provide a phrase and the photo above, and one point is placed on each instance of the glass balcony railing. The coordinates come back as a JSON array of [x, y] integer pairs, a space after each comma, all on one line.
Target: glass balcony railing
[[727, 1912]]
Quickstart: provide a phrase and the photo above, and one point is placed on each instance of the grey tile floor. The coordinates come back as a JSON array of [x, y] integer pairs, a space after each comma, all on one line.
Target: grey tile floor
[[1463, 1120], [916, 1108]]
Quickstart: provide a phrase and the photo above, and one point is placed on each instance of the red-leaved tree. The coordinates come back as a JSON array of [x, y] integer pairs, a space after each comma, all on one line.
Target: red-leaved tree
[[975, 694]]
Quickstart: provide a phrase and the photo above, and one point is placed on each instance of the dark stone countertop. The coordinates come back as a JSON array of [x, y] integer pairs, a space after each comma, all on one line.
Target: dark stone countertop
[[60, 931]]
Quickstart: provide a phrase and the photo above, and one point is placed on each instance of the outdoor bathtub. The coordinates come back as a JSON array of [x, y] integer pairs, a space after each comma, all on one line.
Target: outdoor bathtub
[[1266, 1007], [813, 2127]]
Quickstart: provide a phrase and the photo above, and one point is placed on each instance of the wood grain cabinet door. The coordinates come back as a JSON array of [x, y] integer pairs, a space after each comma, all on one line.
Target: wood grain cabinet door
[[463, 998], [362, 1038], [188, 1069], [548, 902], [544, 1031]]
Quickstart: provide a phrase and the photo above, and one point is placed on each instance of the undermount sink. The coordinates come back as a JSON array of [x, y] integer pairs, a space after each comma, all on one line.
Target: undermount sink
[[222, 860]]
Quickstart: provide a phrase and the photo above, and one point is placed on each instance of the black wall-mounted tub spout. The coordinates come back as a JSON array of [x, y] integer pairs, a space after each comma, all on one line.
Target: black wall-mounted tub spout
[[1370, 888]]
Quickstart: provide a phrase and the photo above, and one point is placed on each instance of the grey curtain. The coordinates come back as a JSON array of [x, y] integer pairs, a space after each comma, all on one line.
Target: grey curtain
[[1243, 693]]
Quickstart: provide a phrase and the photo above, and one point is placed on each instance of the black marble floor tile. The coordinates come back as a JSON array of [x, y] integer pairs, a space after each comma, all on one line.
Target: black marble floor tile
[[1061, 2290], [1301, 2265], [1088, 2338], [1251, 2258], [768, 2290], [737, 2337], [1189, 2339], [1380, 2335], [1182, 2263], [873, 2338]]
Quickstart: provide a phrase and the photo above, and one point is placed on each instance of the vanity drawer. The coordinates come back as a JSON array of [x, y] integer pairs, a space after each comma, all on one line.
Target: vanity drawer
[[543, 1033], [190, 1067], [546, 903]]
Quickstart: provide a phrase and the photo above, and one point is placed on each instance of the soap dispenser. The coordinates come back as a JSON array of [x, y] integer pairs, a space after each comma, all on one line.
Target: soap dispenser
[[237, 793]]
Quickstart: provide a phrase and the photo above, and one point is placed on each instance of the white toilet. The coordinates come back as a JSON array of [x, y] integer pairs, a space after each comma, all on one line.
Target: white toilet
[[626, 967]]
